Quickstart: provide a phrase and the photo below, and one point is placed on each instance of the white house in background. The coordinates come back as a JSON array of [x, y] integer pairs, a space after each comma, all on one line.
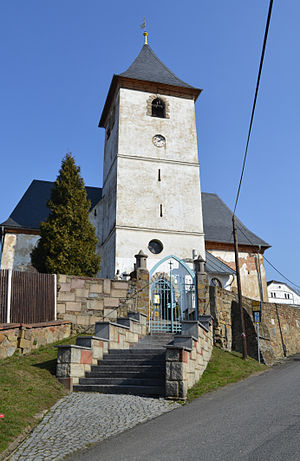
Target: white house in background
[[281, 293]]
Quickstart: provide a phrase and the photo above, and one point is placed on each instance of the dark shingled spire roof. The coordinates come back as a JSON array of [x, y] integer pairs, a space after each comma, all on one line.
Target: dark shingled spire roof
[[148, 67]]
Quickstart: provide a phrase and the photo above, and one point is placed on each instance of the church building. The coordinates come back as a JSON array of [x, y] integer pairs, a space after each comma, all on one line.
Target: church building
[[151, 198]]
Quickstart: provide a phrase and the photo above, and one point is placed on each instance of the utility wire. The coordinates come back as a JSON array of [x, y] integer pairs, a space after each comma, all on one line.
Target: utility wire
[[282, 275], [254, 102], [269, 262]]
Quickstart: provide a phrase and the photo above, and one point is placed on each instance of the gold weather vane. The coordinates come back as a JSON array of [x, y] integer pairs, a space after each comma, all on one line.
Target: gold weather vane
[[143, 26]]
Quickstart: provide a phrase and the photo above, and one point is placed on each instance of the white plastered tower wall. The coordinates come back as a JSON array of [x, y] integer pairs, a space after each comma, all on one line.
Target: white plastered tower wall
[[133, 196]]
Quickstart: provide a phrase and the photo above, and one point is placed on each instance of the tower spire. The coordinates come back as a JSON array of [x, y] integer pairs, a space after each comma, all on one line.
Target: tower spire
[[143, 26]]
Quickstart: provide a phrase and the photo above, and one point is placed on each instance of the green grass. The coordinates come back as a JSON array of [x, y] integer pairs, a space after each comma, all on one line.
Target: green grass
[[224, 368], [28, 386]]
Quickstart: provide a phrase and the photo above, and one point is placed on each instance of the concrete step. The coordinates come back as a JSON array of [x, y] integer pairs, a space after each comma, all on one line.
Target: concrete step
[[150, 347], [140, 351], [154, 391], [155, 339], [122, 380], [139, 370], [126, 374], [132, 361], [142, 368], [153, 342]]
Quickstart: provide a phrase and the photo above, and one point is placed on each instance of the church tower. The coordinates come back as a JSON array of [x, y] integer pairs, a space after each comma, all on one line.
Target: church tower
[[151, 184]]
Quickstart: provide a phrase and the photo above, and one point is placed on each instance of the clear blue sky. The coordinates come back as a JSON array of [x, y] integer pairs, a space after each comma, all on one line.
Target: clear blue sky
[[57, 61]]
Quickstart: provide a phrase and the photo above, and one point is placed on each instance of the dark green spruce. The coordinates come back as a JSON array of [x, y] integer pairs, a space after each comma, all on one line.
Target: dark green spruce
[[68, 241]]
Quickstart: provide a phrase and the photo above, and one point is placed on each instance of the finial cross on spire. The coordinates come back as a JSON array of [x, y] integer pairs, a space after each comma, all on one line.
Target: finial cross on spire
[[143, 26]]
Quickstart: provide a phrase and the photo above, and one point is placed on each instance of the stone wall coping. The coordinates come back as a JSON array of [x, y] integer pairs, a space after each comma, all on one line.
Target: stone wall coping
[[199, 323], [186, 336], [133, 320], [94, 279], [114, 324], [205, 318], [140, 313], [94, 337], [129, 318], [179, 346], [73, 346], [203, 327], [190, 321], [11, 326]]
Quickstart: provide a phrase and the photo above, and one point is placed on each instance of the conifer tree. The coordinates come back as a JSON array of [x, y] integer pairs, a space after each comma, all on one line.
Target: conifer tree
[[68, 241]]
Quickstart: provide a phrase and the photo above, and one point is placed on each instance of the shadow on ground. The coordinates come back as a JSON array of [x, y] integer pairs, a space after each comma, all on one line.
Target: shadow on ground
[[50, 365]]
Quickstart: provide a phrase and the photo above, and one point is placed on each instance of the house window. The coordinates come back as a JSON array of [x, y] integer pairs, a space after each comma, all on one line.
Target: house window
[[158, 108]]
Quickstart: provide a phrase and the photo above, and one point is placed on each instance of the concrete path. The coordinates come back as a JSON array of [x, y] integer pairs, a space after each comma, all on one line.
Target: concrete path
[[254, 420], [80, 419]]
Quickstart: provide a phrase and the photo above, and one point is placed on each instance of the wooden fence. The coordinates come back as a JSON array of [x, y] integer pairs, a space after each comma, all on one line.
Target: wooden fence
[[27, 297], [3, 295]]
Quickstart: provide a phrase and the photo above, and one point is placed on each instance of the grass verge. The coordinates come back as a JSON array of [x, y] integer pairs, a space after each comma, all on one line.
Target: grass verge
[[28, 386], [224, 368]]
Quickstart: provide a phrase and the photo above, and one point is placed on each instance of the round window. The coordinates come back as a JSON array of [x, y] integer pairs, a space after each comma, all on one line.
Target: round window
[[155, 246]]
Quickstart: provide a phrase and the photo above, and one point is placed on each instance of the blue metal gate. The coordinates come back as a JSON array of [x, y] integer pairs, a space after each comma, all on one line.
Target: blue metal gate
[[172, 295]]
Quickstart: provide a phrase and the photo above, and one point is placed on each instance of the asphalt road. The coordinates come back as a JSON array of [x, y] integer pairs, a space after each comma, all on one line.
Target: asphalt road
[[257, 419]]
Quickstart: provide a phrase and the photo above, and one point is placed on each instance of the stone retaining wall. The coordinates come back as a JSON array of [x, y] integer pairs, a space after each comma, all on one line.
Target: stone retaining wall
[[73, 361], [279, 330], [26, 337], [283, 324], [188, 357], [85, 301]]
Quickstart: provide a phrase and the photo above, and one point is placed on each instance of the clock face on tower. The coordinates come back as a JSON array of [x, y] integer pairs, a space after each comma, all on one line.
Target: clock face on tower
[[159, 140]]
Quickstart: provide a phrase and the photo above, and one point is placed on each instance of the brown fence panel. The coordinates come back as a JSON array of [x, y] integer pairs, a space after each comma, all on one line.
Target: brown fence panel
[[32, 297], [3, 295]]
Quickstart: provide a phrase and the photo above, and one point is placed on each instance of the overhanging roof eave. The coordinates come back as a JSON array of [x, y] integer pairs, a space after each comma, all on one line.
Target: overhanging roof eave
[[156, 87], [248, 244]]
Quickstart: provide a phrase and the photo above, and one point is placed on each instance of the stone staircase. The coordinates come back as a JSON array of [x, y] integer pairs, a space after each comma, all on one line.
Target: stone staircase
[[139, 370]]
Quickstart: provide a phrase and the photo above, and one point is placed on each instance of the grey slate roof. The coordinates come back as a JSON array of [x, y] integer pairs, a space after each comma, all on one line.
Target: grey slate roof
[[217, 217], [217, 222], [32, 208], [214, 266], [147, 66]]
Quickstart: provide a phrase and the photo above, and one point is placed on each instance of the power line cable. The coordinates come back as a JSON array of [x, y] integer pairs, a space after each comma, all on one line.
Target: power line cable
[[282, 275], [254, 102], [266, 259], [248, 139]]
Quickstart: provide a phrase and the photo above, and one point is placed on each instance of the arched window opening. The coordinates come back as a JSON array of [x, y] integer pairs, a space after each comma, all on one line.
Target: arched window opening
[[215, 282], [158, 108]]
